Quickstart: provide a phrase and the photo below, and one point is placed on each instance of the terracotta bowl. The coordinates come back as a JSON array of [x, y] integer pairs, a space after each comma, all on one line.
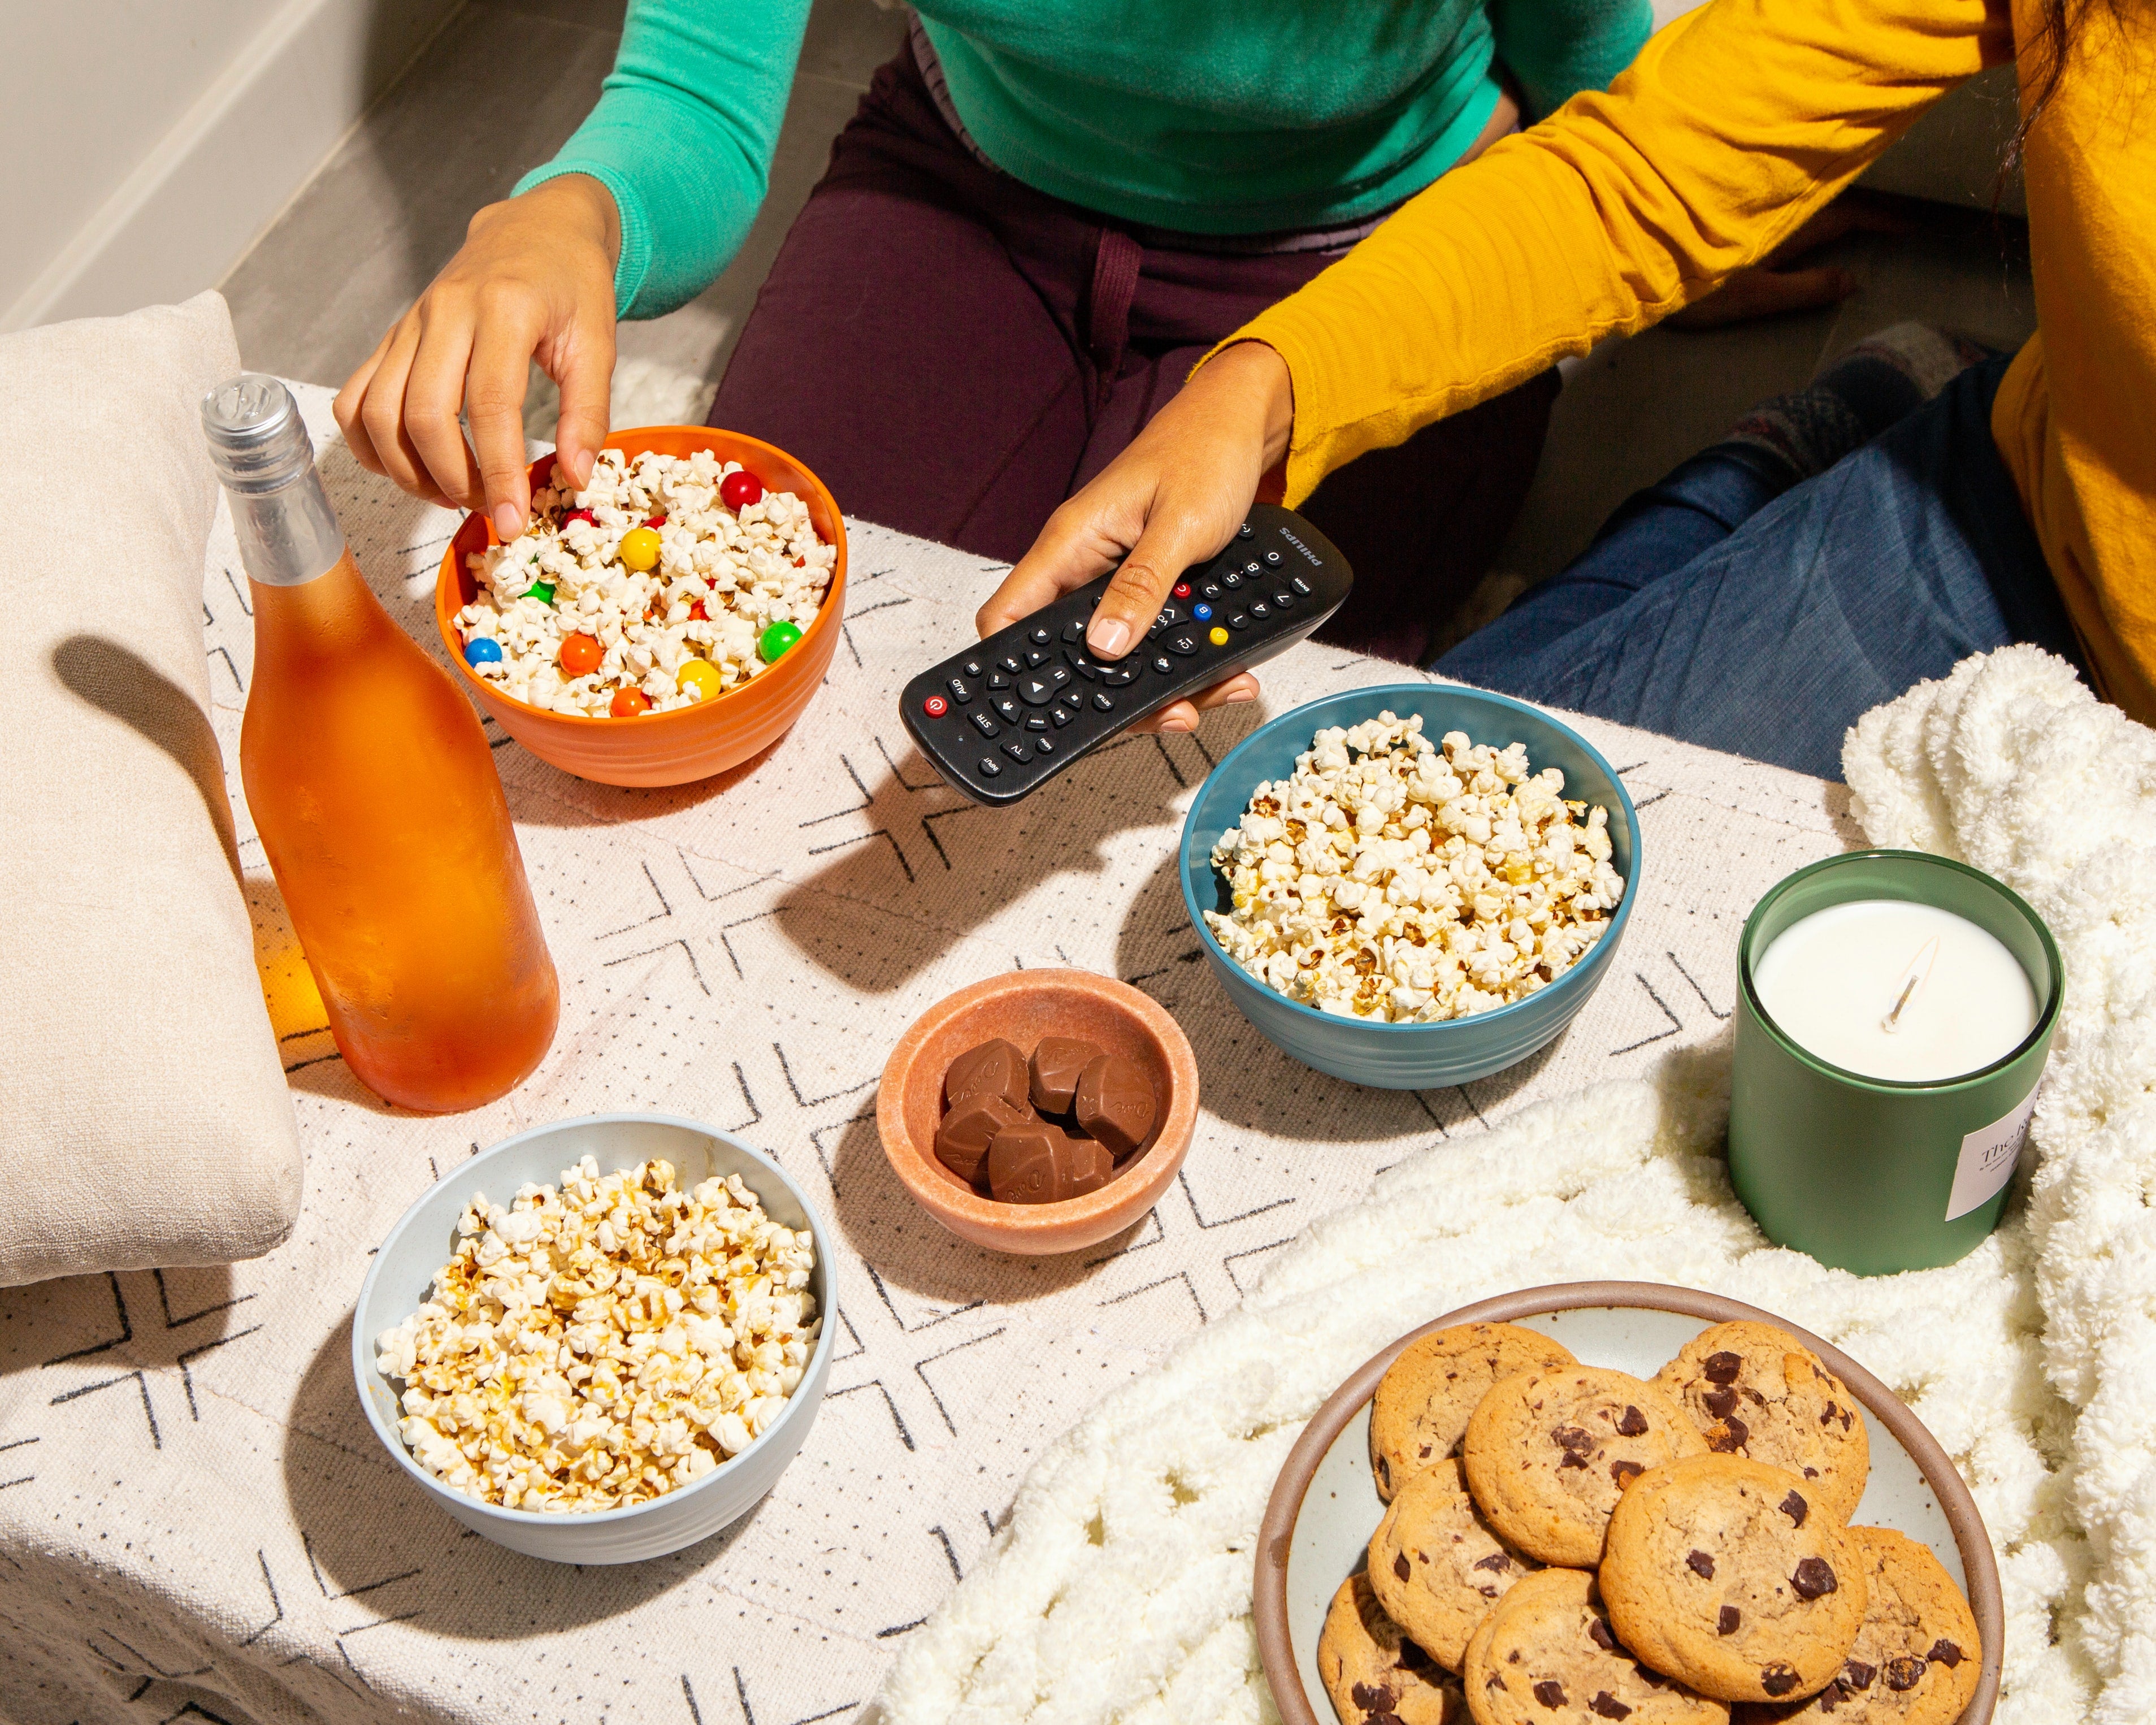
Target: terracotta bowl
[[690, 742], [1325, 1504], [1022, 1008]]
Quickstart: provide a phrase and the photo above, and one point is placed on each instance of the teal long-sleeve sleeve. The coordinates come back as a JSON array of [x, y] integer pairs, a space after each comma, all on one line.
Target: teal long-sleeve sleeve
[[683, 137], [1557, 48]]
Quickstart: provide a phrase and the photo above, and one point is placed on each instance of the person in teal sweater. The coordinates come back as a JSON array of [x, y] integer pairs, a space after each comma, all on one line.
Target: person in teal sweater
[[1043, 213]]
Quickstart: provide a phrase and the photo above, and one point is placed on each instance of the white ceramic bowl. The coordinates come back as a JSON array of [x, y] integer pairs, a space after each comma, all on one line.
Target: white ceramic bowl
[[1325, 1504], [422, 1242]]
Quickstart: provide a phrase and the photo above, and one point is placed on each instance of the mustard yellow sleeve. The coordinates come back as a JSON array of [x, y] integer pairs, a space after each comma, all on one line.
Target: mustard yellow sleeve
[[1734, 124]]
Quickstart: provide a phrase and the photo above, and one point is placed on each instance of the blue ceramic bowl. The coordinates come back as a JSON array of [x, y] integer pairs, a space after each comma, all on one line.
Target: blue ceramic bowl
[[1406, 1056]]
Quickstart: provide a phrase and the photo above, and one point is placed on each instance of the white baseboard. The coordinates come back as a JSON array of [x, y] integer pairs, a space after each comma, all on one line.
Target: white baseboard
[[229, 166]]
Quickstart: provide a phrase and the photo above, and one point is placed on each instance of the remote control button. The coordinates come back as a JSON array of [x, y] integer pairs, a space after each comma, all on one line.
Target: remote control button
[[1300, 585], [1258, 609], [1043, 745], [1079, 663], [1122, 674], [1008, 708], [1203, 614], [1013, 667], [974, 668], [1218, 637], [1254, 567], [985, 724], [1185, 643], [936, 707], [1061, 715], [1034, 659], [1075, 699], [1283, 600], [1272, 559], [1181, 589], [959, 692], [1035, 722], [1165, 665], [1101, 703], [1244, 530], [1211, 589], [1074, 630], [1016, 751], [1035, 690], [988, 768], [1056, 675], [1042, 635], [1231, 580], [1239, 620], [999, 681]]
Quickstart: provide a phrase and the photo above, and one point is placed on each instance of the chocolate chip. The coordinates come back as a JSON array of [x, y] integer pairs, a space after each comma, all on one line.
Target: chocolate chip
[[1778, 1679], [1624, 1472], [1728, 1436], [1424, 1454], [1723, 1368], [1720, 1402], [1550, 1692], [1573, 1458], [1400, 1566], [1811, 1473], [1633, 1424], [1384, 1474], [1727, 1620], [1815, 1576], [1412, 1657], [1946, 1653], [1701, 1564], [1608, 1706], [1795, 1508], [1598, 1632], [1904, 1672], [1494, 1681], [1383, 1719], [1857, 1673], [1572, 1439], [1496, 1563], [1373, 1697], [1832, 1697]]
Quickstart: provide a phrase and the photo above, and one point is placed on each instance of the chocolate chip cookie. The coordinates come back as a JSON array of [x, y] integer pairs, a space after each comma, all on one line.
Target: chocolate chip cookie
[[1547, 1453], [1374, 1673], [1917, 1658], [1756, 1392], [1546, 1655], [1437, 1566], [1721, 1572], [1420, 1411]]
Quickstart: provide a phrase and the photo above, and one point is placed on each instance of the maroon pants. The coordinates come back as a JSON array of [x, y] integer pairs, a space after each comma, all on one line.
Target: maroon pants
[[956, 353]]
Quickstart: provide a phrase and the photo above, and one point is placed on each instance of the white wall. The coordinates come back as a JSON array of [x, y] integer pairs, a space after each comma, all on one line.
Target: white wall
[[148, 141]]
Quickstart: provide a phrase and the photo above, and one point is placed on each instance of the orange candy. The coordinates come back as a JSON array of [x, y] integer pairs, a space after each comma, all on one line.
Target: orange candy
[[628, 703], [581, 655]]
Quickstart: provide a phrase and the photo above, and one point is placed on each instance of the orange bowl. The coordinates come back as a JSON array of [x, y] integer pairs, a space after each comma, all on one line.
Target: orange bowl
[[1023, 1007], [690, 742]]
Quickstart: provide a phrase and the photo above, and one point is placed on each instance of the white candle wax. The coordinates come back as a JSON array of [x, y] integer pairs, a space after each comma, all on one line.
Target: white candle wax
[[1833, 981]]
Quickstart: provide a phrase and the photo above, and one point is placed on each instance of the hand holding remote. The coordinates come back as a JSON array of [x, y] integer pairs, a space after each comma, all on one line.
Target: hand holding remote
[[1172, 500]]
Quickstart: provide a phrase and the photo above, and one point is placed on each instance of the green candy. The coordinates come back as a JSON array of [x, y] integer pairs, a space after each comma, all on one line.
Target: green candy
[[776, 640], [542, 591]]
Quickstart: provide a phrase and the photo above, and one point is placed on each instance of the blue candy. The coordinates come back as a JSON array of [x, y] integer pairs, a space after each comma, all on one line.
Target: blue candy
[[482, 649]]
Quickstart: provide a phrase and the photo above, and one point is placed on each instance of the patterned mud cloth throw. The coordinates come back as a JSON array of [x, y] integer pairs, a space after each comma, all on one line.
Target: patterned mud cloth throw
[[196, 1520]]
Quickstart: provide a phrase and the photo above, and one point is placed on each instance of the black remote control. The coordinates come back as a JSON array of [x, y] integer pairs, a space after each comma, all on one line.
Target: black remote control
[[1000, 719]]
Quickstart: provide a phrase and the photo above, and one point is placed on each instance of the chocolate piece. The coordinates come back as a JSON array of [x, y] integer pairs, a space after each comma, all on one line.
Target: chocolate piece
[[1946, 1653], [1795, 1508], [1727, 1620], [1720, 1402], [1413, 1658], [1550, 1692], [1053, 1071], [1037, 1162], [1857, 1673], [1815, 1577], [1091, 1166], [1701, 1564], [1498, 1563], [1608, 1707], [1728, 1437], [1400, 1566], [1598, 1632], [1633, 1424], [995, 1068], [1904, 1672], [1624, 1472], [1115, 1103], [1373, 1697], [1778, 1678], [1571, 1439], [1723, 1368], [962, 1140]]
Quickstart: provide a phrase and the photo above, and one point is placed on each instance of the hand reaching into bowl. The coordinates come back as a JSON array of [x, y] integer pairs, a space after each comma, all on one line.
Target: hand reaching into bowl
[[1173, 498], [533, 280]]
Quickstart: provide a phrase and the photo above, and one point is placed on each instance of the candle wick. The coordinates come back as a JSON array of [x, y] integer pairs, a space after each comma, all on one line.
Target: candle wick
[[1920, 970]]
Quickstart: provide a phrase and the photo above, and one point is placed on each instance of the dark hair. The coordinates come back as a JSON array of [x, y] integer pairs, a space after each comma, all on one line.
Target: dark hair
[[2045, 54]]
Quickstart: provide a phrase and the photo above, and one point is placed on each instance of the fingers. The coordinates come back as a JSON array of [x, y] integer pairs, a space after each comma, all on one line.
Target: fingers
[[351, 399], [494, 385], [1173, 539], [1082, 538], [1766, 292], [434, 399], [382, 414], [585, 375]]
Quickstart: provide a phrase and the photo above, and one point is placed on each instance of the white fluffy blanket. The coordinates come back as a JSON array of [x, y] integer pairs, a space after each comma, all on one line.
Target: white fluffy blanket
[[1119, 1587]]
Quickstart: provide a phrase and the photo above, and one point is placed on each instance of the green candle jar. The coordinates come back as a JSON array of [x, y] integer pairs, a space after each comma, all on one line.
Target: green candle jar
[[1876, 1174]]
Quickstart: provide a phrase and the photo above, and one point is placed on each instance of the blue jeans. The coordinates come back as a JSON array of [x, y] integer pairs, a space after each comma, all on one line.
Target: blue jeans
[[1729, 607]]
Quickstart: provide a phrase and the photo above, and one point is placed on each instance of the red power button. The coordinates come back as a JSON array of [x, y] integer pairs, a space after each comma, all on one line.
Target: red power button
[[1183, 589], [936, 707]]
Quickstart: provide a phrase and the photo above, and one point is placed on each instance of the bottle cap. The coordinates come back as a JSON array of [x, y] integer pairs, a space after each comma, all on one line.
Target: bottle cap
[[258, 443]]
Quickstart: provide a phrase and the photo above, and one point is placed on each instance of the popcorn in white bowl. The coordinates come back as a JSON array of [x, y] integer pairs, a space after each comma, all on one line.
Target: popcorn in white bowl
[[668, 580], [1391, 880]]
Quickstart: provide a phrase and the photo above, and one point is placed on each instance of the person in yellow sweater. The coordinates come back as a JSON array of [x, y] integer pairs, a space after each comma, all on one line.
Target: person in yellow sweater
[[2018, 503]]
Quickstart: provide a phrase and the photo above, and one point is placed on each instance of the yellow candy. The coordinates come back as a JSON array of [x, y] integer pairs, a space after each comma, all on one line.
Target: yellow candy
[[640, 549], [698, 675]]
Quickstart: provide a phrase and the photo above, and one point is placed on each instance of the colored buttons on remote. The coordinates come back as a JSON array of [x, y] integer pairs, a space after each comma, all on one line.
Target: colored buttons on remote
[[959, 692], [1203, 614], [1218, 637], [1181, 589], [983, 724], [936, 707]]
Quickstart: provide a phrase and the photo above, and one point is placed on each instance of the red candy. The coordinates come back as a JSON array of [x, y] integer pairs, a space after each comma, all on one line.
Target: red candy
[[739, 488], [579, 515], [697, 611], [581, 654], [628, 703], [656, 521]]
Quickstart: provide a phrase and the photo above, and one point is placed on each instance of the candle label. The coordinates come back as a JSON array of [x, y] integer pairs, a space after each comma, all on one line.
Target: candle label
[[1988, 1156]]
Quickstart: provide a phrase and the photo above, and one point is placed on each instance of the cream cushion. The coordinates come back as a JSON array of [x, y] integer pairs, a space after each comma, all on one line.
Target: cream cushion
[[144, 1117]]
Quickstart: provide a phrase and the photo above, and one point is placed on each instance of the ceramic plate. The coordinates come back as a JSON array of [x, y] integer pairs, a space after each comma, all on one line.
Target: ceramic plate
[[1325, 1504]]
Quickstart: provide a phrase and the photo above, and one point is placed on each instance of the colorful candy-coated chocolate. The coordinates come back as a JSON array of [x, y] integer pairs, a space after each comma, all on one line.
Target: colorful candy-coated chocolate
[[640, 549], [698, 675], [739, 488], [542, 591], [580, 514], [482, 649], [776, 640], [628, 703], [581, 654]]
